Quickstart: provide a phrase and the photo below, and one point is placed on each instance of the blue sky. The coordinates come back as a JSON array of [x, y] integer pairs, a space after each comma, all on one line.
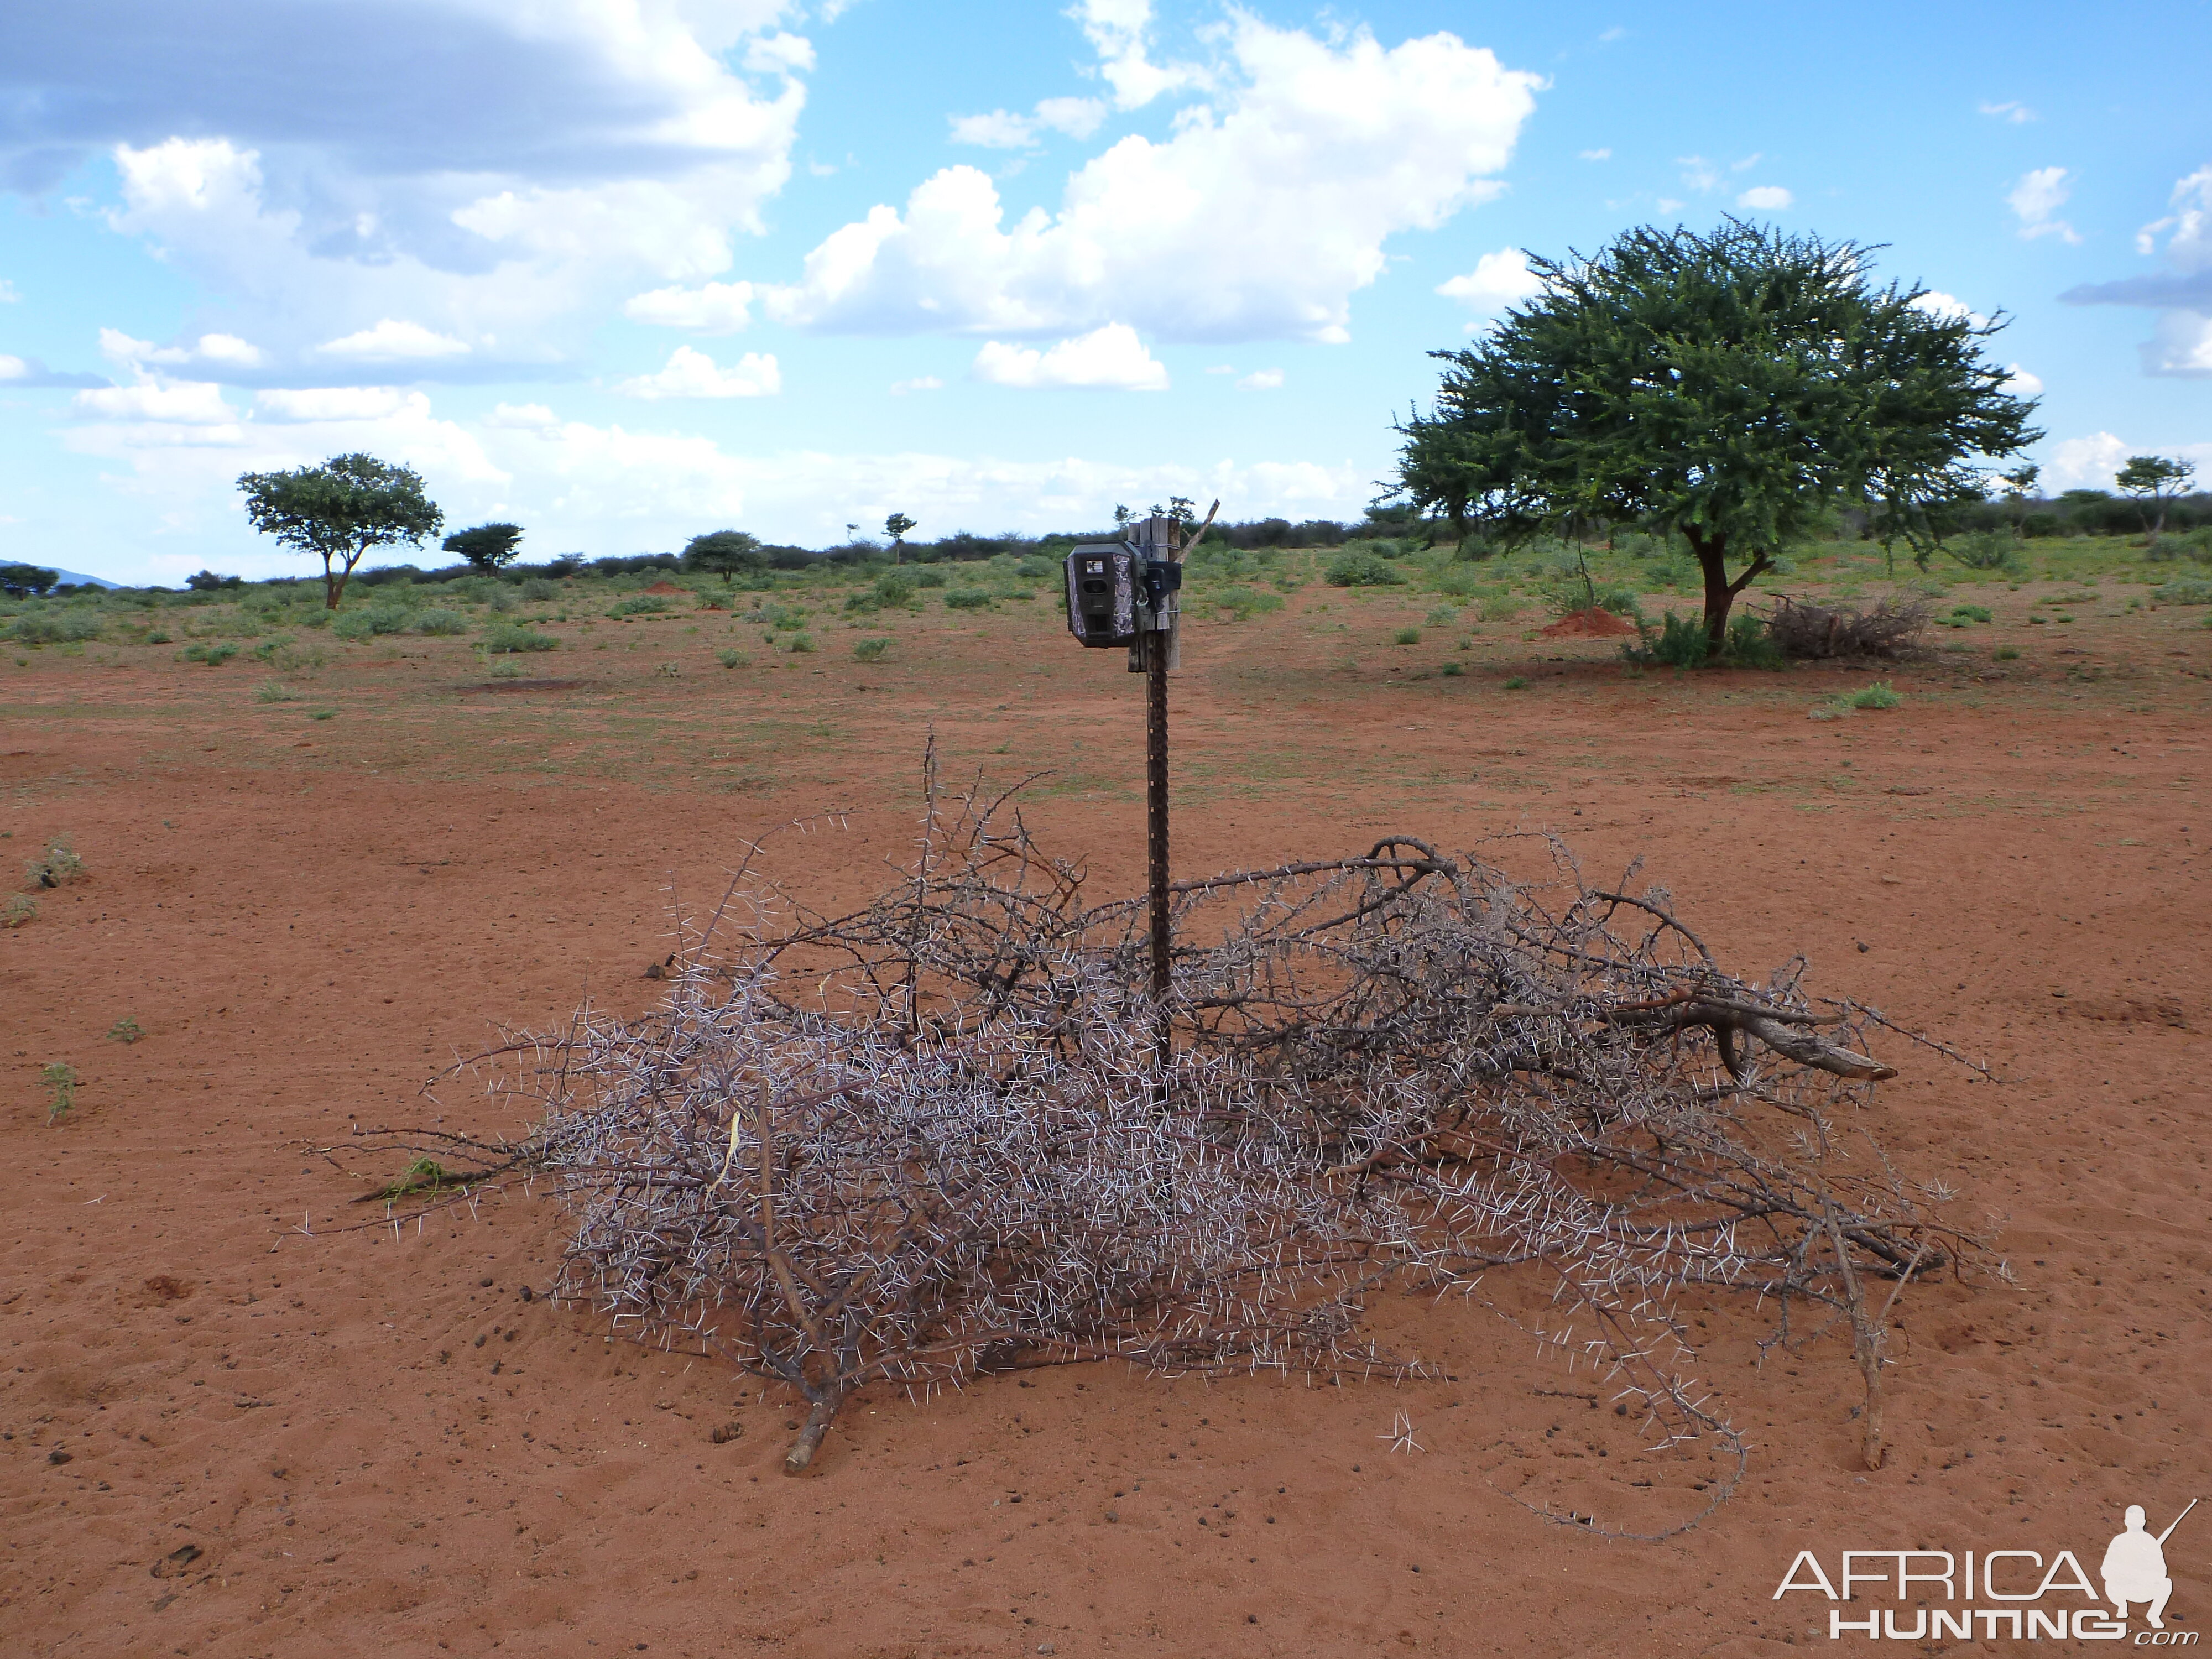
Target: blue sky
[[623, 270]]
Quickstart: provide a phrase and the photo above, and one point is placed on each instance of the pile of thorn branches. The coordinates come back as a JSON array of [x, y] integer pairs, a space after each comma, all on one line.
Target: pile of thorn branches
[[952, 1133], [1888, 631]]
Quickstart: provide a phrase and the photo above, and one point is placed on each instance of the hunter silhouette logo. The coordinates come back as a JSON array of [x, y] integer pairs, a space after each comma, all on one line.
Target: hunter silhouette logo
[[2034, 1599], [2135, 1567]]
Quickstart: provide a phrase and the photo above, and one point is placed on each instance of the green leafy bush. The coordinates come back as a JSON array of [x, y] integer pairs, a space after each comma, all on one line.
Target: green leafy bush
[[870, 650], [2183, 590], [929, 579], [638, 605], [517, 637], [1880, 694], [58, 864], [1407, 636], [1681, 643], [68, 627], [374, 620], [1244, 603], [213, 655], [538, 589], [890, 591], [1361, 570], [1500, 607], [1986, 550], [1963, 614], [274, 691], [441, 622], [966, 598], [1747, 645], [732, 659], [18, 910], [802, 642]]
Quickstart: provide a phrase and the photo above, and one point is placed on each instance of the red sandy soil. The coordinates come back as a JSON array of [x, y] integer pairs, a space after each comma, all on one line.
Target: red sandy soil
[[378, 1445], [1591, 624]]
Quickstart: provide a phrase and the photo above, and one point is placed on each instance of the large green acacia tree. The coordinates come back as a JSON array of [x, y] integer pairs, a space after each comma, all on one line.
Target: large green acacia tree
[[341, 511], [1732, 387]]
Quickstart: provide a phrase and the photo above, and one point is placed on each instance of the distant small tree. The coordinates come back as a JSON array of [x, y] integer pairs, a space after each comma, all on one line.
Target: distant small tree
[[486, 546], [25, 581], [209, 581], [895, 527], [1122, 516], [2154, 481], [341, 511], [725, 553]]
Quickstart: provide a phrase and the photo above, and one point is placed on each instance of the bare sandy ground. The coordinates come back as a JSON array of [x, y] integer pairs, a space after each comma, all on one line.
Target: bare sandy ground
[[380, 1444]]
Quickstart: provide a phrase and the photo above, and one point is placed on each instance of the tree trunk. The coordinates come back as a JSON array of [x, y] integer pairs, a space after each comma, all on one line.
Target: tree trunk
[[1712, 559]]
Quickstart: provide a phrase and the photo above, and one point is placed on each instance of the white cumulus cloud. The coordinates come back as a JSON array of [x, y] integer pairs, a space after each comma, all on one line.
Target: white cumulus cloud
[[1261, 380], [715, 308], [920, 383], [1937, 303], [1766, 199], [692, 373], [224, 349], [2011, 110], [182, 403], [2036, 198], [1498, 280], [1595, 154], [393, 340], [1079, 117], [1110, 357], [1258, 218], [2021, 384], [1119, 31], [338, 403]]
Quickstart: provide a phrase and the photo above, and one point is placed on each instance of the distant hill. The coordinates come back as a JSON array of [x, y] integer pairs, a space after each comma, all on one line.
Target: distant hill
[[79, 576]]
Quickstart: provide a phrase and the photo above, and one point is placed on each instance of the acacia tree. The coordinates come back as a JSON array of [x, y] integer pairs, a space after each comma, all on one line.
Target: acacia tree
[[486, 546], [340, 511], [725, 552], [1733, 388], [2157, 482], [895, 527]]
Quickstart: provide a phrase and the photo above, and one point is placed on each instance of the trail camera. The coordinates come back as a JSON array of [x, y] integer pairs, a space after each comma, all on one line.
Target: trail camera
[[1103, 594]]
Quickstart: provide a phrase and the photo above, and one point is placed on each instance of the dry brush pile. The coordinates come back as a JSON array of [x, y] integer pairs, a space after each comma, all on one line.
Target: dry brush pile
[[936, 1136]]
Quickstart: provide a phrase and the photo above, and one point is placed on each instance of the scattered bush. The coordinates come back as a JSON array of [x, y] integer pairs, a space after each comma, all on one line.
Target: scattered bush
[[61, 1091], [1244, 603], [1813, 632], [1361, 570], [2007, 653], [889, 591], [1407, 636], [537, 589], [926, 578], [732, 659], [1749, 644], [870, 650], [274, 691], [1500, 608], [441, 622], [966, 598], [125, 1030], [2183, 590], [18, 910], [1453, 670], [213, 655], [67, 628], [638, 605], [1681, 643], [802, 643], [1986, 550], [1516, 683], [1963, 614], [206, 581], [1877, 696], [516, 636], [376, 619]]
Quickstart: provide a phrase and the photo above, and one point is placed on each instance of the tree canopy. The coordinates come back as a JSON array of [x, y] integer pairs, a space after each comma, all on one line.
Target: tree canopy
[[24, 581], [341, 511], [1733, 386], [2155, 481], [486, 546], [725, 552]]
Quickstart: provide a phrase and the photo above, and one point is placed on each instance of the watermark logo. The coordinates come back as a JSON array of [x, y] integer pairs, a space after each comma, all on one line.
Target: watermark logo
[[2034, 1600]]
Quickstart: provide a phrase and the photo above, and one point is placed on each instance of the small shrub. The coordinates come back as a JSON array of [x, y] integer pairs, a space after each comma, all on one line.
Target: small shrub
[[870, 650], [1453, 670], [1361, 570], [2006, 654], [1963, 614], [801, 643], [60, 1082], [159, 636], [669, 670], [1816, 632], [375, 620], [273, 691], [441, 622], [929, 579], [1516, 683], [966, 598], [1500, 607], [1407, 636], [732, 659], [1877, 696], [125, 1030], [502, 637], [1680, 642], [1442, 615], [1986, 550], [213, 655], [1244, 603], [1748, 644], [890, 591], [2183, 590], [638, 605], [538, 589], [58, 864], [18, 910], [324, 714]]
